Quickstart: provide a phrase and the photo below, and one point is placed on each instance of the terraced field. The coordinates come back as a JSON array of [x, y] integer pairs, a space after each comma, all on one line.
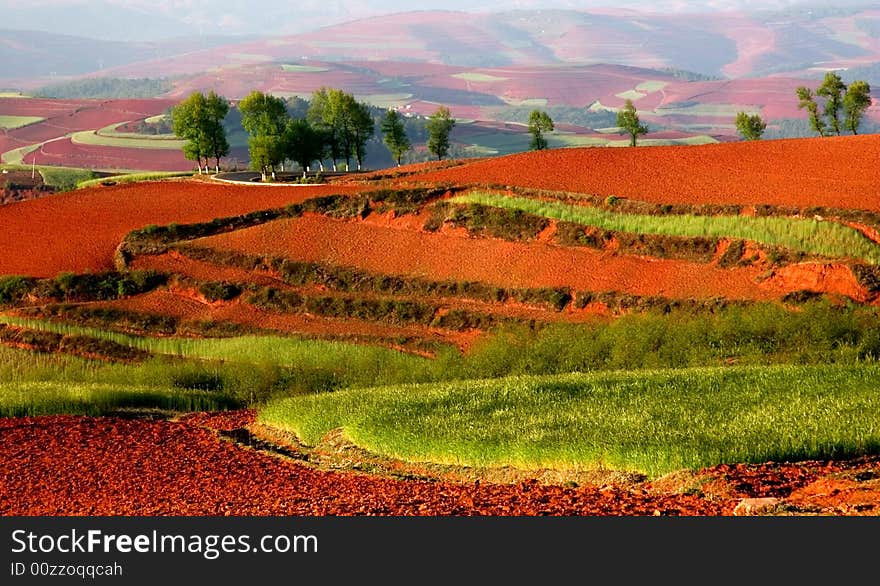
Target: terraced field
[[576, 324]]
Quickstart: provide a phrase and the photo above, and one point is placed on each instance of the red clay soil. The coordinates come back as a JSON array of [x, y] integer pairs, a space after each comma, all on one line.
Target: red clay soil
[[109, 466], [443, 256], [79, 231], [175, 263], [835, 172]]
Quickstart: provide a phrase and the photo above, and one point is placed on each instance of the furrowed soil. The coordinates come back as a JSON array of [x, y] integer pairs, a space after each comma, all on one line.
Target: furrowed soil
[[831, 172], [156, 467], [444, 256], [80, 231]]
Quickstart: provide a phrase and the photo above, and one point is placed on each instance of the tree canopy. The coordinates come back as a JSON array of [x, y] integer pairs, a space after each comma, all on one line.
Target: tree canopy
[[539, 123], [851, 102], [265, 118], [440, 125], [856, 100], [199, 120], [832, 89], [394, 135], [750, 127], [628, 121]]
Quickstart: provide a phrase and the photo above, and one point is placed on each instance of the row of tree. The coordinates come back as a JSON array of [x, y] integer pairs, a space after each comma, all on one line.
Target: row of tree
[[850, 102], [335, 127], [844, 108]]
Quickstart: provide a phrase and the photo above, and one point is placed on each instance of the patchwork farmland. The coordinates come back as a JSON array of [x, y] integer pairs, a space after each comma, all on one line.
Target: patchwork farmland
[[664, 330]]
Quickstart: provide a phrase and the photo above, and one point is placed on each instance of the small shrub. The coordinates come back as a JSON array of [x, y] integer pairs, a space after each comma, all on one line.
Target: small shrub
[[219, 291], [14, 288]]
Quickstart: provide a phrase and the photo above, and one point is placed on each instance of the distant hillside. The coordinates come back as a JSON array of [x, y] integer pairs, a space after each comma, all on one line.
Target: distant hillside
[[41, 56], [798, 42]]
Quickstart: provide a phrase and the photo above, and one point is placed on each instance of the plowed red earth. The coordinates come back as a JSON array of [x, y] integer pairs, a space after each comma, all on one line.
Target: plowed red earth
[[831, 172], [508, 264], [109, 466], [79, 231], [114, 466]]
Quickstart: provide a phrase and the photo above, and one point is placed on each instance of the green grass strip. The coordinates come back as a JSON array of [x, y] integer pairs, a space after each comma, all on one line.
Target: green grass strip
[[23, 399], [654, 422], [808, 235], [134, 177], [90, 137], [12, 122], [355, 363]]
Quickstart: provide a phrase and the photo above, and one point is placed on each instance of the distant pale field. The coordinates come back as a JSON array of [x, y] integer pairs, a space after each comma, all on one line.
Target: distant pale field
[[15, 156], [633, 95], [385, 100], [717, 110], [11, 122], [528, 102], [89, 137], [478, 77], [303, 68], [650, 86]]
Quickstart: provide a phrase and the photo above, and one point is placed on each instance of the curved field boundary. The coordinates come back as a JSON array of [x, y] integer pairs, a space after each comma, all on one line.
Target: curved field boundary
[[809, 235], [442, 256], [13, 122], [654, 422], [261, 184], [94, 138], [111, 131], [182, 468]]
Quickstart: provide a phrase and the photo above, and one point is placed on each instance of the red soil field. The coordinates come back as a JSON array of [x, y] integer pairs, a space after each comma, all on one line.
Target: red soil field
[[828, 172], [79, 231], [65, 153], [444, 256], [109, 466]]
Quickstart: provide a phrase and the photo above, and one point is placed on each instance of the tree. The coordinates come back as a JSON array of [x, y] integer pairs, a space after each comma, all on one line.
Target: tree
[[394, 135], [263, 114], [832, 89], [440, 124], [361, 128], [319, 118], [215, 134], [808, 102], [751, 127], [856, 100], [265, 118], [628, 121], [539, 123], [302, 143], [189, 121]]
